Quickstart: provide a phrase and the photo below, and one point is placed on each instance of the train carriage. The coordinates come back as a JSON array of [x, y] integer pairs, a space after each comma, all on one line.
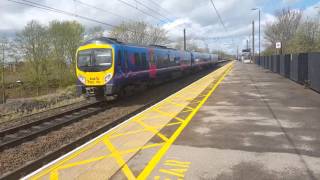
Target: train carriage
[[106, 66]]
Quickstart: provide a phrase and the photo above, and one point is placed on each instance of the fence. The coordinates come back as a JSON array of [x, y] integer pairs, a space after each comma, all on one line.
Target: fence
[[303, 68]]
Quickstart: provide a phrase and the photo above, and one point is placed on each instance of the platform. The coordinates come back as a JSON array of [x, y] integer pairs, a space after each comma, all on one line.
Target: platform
[[238, 122]]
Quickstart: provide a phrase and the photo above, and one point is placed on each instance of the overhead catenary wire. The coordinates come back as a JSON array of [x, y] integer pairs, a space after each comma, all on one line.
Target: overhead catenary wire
[[218, 14], [152, 10], [220, 19], [48, 8], [103, 10], [142, 11], [158, 5]]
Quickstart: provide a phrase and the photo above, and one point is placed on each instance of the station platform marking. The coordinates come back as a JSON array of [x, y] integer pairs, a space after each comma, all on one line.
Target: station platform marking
[[108, 153]]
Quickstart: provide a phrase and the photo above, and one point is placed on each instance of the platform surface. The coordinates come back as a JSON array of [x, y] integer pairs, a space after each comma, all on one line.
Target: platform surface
[[239, 122]]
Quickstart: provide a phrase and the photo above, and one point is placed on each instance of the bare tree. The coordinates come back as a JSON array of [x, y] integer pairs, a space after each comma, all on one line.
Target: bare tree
[[65, 37], [74, 34], [284, 28], [307, 37], [3, 49], [95, 32], [139, 33], [34, 43]]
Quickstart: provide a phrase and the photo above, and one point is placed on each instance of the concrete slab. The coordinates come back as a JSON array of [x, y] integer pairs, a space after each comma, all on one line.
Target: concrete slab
[[256, 125]]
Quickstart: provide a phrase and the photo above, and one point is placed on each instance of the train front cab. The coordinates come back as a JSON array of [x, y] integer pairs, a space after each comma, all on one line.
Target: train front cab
[[96, 68]]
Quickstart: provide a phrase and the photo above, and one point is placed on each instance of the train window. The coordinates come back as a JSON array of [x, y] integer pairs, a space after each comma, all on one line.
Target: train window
[[102, 57], [172, 58], [119, 57], [137, 59], [152, 57], [163, 60], [144, 60]]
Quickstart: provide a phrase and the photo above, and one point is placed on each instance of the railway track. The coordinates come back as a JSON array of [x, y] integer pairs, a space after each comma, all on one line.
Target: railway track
[[17, 135], [39, 114], [76, 115], [33, 165]]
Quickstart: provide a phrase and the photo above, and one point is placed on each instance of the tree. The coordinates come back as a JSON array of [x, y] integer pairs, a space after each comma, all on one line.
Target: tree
[[34, 43], [95, 32], [58, 40], [191, 46], [284, 28], [307, 37], [3, 49], [74, 34], [65, 38], [139, 33]]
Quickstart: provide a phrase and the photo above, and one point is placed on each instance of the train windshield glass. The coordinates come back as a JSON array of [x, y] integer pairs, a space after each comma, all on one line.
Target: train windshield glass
[[95, 59], [102, 57]]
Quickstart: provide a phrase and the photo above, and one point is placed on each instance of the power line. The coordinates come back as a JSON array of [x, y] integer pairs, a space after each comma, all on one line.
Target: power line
[[144, 12], [152, 10], [103, 10], [219, 16], [158, 5], [217, 12], [48, 8]]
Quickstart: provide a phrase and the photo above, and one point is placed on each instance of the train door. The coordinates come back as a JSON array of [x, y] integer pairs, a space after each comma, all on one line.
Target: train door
[[125, 65], [192, 59], [120, 61], [152, 64]]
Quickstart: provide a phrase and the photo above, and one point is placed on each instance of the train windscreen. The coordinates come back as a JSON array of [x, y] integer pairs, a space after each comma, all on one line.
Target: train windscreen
[[94, 59]]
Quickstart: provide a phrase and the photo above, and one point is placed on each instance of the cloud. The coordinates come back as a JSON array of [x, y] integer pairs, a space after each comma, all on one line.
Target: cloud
[[198, 17], [290, 1]]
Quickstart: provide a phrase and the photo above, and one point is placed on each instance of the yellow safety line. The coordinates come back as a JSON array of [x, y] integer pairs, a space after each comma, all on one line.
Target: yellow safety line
[[140, 116], [187, 110], [177, 162], [84, 162], [128, 133], [174, 123], [125, 169], [54, 175], [195, 102], [141, 148], [183, 97], [177, 104], [153, 130], [176, 165], [52, 168], [156, 158], [167, 114]]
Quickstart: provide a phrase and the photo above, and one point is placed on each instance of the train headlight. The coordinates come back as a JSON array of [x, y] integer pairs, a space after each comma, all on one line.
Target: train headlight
[[82, 79], [108, 77]]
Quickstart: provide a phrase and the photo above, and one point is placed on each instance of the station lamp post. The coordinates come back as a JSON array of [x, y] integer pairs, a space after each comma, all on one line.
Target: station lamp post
[[253, 9]]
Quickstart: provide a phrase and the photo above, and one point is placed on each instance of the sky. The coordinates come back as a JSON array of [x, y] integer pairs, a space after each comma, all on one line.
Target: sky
[[197, 16]]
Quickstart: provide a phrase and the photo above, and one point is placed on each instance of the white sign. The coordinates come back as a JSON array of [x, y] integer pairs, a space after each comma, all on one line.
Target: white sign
[[278, 45]]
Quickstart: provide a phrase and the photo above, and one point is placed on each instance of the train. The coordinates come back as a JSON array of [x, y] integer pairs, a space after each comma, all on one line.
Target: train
[[107, 67]]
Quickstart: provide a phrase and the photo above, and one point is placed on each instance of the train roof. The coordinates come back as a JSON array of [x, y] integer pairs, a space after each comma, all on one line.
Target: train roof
[[109, 40]]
